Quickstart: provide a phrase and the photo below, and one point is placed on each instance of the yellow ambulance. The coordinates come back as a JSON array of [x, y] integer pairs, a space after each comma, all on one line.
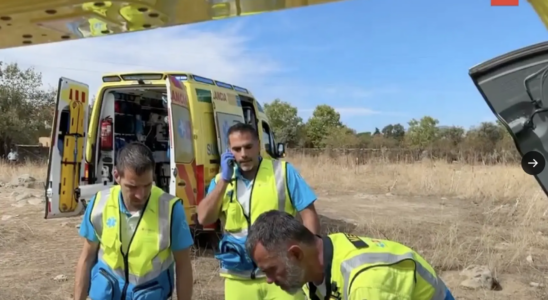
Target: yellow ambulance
[[183, 118]]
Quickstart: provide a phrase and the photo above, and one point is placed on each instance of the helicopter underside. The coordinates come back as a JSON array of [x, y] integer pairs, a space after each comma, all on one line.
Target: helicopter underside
[[31, 22]]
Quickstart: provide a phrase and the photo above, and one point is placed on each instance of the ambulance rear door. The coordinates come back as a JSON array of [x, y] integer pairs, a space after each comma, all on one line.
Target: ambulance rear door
[[181, 135], [228, 111], [66, 156]]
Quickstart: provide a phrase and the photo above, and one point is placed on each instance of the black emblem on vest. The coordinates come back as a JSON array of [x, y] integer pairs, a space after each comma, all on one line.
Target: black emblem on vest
[[356, 241], [335, 294]]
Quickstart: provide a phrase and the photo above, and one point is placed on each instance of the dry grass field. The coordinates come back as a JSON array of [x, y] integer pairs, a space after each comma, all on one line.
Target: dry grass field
[[454, 215]]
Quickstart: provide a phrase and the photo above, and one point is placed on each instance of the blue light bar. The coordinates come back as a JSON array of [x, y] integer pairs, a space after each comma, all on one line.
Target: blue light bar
[[113, 78], [203, 80], [224, 85], [180, 77], [241, 90], [136, 77]]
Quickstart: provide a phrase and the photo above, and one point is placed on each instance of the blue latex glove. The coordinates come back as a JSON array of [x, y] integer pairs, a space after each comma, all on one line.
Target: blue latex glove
[[227, 165]]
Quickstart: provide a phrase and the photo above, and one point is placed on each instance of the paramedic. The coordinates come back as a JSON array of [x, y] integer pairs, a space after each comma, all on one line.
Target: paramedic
[[238, 195], [135, 237], [339, 266]]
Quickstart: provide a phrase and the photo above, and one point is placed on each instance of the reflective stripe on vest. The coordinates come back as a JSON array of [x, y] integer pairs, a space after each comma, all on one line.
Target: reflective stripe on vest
[[279, 177], [387, 258], [164, 239]]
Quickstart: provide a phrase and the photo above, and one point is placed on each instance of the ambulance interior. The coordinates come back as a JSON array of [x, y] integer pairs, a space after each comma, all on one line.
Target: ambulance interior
[[141, 115], [135, 115]]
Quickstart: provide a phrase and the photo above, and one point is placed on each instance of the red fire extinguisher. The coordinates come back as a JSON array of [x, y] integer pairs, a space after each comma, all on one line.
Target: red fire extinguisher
[[106, 134]]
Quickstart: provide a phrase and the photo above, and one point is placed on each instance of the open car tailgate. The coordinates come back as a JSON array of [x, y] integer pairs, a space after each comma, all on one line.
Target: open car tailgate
[[515, 87]]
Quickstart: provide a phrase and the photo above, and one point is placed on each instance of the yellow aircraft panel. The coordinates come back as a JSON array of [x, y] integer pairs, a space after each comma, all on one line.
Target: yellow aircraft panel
[[28, 22], [541, 8]]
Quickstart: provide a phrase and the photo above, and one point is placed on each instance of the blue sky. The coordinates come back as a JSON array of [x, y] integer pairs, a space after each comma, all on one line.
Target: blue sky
[[376, 62], [403, 59]]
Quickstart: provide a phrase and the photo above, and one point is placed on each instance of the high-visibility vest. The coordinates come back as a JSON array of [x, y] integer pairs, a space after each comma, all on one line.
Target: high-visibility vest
[[148, 258], [269, 192], [354, 258]]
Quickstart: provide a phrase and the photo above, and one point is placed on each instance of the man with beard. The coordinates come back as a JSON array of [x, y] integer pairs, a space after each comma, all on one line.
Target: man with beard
[[248, 186], [339, 266]]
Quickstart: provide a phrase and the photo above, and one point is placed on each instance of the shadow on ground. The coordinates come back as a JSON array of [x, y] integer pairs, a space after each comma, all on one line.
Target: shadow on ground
[[329, 225], [207, 243]]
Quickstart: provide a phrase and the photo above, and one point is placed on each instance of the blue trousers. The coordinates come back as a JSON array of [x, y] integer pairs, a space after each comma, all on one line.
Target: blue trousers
[[448, 295]]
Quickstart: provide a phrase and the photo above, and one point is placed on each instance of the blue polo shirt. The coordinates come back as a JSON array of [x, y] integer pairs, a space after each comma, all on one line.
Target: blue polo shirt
[[180, 232], [300, 192]]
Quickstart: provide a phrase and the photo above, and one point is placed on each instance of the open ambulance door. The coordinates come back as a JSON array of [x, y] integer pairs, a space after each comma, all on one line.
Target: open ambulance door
[[182, 157], [66, 155], [515, 87], [228, 111]]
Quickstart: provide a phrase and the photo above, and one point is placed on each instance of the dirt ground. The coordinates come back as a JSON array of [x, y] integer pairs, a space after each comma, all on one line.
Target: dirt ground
[[456, 216]]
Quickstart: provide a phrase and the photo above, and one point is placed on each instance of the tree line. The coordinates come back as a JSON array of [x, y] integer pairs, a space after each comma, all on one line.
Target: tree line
[[27, 113], [488, 141], [26, 105]]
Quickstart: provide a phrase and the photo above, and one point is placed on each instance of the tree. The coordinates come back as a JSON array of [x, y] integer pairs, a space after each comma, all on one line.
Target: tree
[[323, 120], [485, 137], [340, 137], [453, 135], [377, 132], [27, 108], [285, 121], [395, 132], [364, 139], [365, 134], [422, 133], [490, 132]]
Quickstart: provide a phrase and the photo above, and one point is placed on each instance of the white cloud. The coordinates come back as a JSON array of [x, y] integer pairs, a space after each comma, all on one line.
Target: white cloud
[[223, 54], [229, 54]]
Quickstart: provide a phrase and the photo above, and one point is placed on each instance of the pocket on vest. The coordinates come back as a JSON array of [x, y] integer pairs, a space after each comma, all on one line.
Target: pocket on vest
[[235, 218], [104, 286], [152, 291]]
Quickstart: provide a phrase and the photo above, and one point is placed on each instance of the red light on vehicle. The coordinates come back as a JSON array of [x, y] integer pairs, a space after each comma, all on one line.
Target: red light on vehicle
[[504, 2]]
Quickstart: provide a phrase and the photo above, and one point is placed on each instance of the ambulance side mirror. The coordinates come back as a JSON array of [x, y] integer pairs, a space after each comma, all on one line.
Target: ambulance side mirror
[[281, 150]]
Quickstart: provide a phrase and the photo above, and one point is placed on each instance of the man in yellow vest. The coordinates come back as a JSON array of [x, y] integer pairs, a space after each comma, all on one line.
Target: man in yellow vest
[[339, 266], [247, 186], [136, 237]]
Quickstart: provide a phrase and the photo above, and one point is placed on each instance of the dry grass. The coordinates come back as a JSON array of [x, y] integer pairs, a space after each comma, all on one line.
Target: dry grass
[[9, 172], [455, 215]]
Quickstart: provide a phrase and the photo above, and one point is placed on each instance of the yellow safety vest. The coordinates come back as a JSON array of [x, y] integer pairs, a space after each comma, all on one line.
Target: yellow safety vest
[[269, 192], [348, 258], [149, 252]]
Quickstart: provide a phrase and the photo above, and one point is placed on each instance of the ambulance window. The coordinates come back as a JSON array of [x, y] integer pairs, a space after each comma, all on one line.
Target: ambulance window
[[267, 139], [224, 121], [248, 110], [64, 127]]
